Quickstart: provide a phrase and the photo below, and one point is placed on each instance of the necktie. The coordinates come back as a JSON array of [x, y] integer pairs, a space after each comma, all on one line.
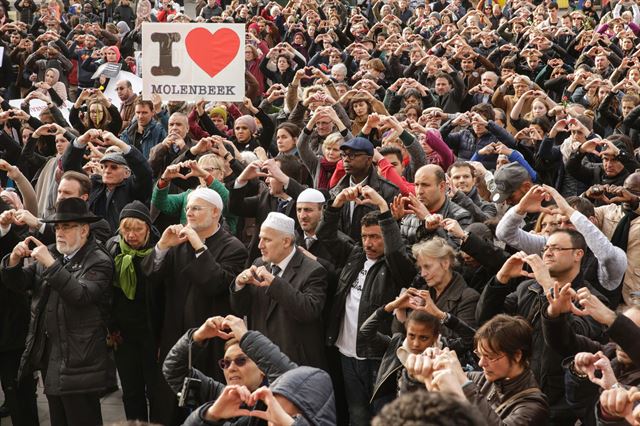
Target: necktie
[[65, 260], [308, 241], [282, 205], [275, 270]]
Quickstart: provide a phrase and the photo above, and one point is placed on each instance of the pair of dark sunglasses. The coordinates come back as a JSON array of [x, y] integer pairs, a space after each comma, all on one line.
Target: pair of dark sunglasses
[[239, 361]]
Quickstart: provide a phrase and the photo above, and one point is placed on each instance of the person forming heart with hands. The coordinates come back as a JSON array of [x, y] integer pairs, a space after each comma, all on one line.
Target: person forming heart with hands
[[294, 392], [31, 247]]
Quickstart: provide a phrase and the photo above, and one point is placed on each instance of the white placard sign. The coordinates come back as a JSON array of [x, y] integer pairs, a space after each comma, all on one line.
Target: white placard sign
[[189, 62], [36, 106]]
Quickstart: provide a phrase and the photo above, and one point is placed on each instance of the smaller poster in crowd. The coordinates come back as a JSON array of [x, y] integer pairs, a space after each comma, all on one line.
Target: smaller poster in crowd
[[189, 62]]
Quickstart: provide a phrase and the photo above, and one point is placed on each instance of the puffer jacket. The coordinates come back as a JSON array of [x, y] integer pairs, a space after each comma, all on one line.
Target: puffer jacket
[[383, 283], [69, 310], [499, 405], [267, 356], [413, 230], [309, 388]]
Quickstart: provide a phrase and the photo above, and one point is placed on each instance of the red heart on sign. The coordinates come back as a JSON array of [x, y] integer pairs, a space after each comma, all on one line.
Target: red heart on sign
[[212, 52]]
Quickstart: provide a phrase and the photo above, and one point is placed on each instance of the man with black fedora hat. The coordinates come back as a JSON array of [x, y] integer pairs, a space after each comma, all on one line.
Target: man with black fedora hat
[[71, 286]]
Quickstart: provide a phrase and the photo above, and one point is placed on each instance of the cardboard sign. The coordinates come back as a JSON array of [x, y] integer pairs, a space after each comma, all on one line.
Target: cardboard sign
[[189, 62]]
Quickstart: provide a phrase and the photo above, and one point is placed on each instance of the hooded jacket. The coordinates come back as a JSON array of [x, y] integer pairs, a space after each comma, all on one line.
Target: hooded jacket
[[309, 388]]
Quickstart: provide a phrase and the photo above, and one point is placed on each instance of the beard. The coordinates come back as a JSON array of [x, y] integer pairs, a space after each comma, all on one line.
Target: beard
[[67, 248]]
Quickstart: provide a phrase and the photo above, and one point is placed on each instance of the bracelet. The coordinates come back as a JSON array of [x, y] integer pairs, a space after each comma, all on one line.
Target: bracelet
[[572, 369], [227, 154]]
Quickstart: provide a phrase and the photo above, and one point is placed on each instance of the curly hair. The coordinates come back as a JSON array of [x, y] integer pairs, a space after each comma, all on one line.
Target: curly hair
[[424, 408]]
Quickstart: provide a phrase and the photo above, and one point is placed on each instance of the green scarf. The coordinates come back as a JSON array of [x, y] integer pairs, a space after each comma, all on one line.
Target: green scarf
[[126, 276]]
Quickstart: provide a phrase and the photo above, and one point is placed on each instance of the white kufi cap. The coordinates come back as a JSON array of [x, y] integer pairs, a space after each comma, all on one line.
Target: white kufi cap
[[311, 195], [208, 195], [280, 222]]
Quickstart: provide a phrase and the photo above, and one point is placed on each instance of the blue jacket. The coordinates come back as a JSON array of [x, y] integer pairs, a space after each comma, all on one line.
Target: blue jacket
[[153, 134]]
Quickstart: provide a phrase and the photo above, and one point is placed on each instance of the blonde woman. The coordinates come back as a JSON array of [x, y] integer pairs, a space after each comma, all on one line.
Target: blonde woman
[[321, 167], [209, 169], [435, 259]]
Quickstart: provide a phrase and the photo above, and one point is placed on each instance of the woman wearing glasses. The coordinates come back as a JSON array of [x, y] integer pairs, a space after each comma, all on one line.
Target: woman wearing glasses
[[506, 391], [253, 362]]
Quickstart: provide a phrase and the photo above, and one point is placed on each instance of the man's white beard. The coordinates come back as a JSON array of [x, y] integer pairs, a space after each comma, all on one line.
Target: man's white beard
[[67, 249]]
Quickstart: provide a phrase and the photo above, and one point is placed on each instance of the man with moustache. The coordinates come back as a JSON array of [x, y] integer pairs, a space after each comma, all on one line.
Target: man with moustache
[[283, 294], [71, 287]]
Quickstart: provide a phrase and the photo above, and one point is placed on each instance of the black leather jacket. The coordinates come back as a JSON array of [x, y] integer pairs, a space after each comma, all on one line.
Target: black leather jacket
[[69, 311], [384, 281]]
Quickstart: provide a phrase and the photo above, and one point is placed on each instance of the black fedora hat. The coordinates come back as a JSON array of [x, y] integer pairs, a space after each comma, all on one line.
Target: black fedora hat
[[71, 210]]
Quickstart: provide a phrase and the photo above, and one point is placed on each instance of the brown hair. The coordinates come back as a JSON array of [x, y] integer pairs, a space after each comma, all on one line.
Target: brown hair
[[507, 334], [81, 178]]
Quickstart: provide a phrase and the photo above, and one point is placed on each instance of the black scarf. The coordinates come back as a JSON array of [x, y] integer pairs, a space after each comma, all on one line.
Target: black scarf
[[620, 236]]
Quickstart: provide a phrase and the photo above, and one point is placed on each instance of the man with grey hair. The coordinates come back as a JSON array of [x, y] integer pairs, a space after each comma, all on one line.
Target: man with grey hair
[[283, 294], [70, 283]]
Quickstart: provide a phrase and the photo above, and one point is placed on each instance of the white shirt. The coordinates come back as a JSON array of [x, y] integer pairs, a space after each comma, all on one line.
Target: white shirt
[[285, 262], [346, 341], [352, 204]]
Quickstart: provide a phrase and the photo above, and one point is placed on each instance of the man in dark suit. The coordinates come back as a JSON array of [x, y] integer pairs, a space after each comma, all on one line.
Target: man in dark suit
[[279, 194], [283, 294], [190, 269]]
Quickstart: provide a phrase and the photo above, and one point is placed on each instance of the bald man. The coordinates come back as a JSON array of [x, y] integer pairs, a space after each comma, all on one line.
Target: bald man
[[193, 265], [173, 146], [128, 99], [431, 193]]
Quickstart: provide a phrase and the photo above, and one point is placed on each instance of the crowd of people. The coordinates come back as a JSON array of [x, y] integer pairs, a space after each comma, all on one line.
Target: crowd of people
[[422, 213]]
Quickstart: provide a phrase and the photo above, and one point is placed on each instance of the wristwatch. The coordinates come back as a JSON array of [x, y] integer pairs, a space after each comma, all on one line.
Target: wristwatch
[[201, 249]]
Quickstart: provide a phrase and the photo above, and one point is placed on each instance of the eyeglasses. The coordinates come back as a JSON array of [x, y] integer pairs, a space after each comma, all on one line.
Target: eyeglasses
[[239, 362], [65, 226], [195, 208], [211, 169], [487, 357], [553, 249], [351, 155]]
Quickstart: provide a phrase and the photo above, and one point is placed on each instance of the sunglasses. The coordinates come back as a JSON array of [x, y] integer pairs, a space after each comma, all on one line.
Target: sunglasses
[[239, 362]]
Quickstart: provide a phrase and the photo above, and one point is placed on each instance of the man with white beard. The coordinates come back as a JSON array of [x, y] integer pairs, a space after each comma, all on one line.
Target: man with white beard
[[71, 287]]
